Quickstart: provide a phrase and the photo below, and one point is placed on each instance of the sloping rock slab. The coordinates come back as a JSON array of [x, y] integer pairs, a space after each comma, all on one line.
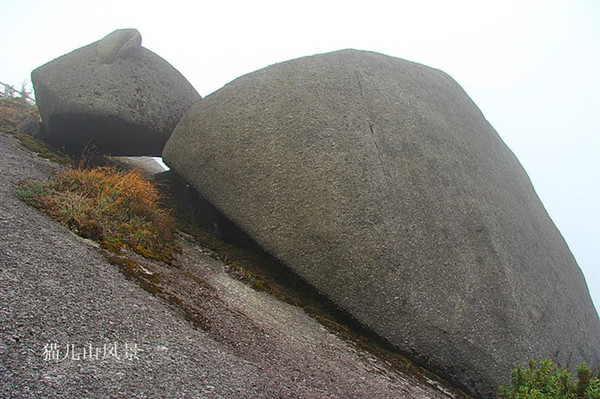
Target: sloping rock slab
[[380, 182], [114, 94], [56, 289]]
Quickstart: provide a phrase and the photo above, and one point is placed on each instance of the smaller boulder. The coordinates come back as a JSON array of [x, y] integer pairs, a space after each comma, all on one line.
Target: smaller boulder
[[113, 94]]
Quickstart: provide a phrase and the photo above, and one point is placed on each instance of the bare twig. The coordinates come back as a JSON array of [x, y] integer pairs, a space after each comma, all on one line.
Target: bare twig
[[7, 90]]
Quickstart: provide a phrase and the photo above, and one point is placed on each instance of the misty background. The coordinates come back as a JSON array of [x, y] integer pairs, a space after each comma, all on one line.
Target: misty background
[[532, 67]]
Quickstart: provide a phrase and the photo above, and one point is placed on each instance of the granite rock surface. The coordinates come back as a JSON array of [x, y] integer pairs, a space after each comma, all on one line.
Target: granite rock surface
[[113, 94], [381, 183]]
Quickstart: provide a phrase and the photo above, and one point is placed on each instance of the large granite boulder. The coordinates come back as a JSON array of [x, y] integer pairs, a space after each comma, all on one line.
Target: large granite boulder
[[114, 94], [380, 182]]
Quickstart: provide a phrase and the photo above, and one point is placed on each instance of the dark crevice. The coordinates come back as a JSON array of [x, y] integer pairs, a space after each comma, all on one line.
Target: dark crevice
[[368, 112]]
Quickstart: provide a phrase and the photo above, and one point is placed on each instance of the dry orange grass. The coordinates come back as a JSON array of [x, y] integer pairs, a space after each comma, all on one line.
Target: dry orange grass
[[119, 210], [14, 110]]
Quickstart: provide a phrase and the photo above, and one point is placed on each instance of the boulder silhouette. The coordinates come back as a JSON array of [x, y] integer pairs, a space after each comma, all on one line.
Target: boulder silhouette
[[380, 182], [114, 94]]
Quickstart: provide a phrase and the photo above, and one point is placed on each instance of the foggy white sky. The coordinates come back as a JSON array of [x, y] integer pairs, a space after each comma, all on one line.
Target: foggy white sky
[[533, 67]]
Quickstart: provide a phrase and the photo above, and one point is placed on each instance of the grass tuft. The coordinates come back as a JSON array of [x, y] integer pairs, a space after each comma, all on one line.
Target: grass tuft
[[119, 210], [14, 110]]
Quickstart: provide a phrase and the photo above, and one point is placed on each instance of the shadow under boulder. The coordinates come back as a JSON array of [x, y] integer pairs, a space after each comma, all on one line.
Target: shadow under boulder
[[200, 213]]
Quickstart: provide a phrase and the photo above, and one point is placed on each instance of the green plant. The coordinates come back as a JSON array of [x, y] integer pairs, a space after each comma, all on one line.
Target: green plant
[[545, 380], [119, 210], [32, 192]]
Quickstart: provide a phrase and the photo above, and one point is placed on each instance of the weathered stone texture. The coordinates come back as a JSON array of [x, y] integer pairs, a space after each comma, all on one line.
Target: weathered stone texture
[[380, 182], [114, 94]]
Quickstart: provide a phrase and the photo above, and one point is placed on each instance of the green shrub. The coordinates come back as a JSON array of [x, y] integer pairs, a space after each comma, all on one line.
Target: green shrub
[[545, 380]]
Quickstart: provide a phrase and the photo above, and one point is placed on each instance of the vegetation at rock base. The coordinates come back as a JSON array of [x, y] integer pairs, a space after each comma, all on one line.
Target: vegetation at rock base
[[545, 380], [117, 209], [42, 149], [15, 106]]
